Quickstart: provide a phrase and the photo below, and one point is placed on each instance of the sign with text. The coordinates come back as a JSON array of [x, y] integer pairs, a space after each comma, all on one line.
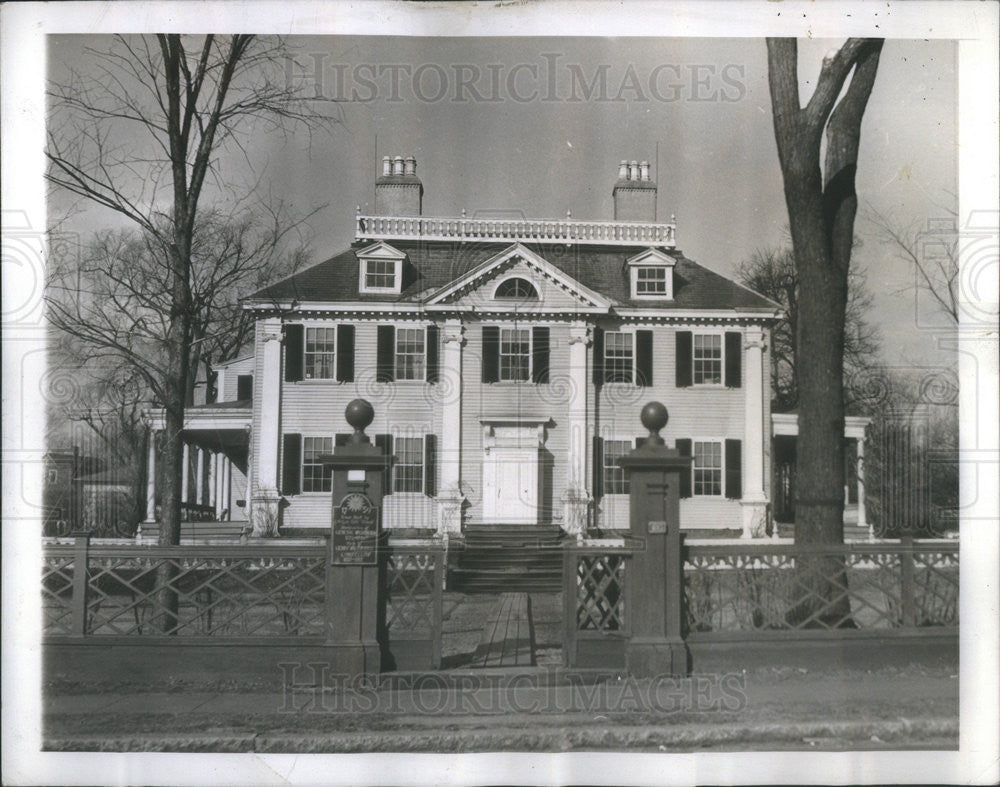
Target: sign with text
[[355, 531]]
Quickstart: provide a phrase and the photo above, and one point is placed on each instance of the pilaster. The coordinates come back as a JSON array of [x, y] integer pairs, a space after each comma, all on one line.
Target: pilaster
[[450, 499], [265, 497], [754, 502], [577, 500]]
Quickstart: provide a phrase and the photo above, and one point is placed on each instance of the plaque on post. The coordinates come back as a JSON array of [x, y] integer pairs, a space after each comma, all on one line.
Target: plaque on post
[[355, 531]]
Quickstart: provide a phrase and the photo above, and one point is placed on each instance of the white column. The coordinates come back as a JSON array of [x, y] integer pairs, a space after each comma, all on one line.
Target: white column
[[199, 489], [450, 498], [265, 494], [754, 500], [576, 500], [862, 516], [227, 487], [185, 461], [151, 479], [213, 482]]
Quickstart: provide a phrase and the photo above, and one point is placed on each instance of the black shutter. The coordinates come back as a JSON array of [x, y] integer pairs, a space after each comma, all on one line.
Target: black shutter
[[430, 458], [291, 464], [491, 354], [385, 365], [384, 442], [734, 359], [432, 353], [540, 355], [644, 358], [244, 387], [598, 356], [682, 358], [342, 439], [598, 468], [293, 353], [345, 353], [734, 469], [683, 446]]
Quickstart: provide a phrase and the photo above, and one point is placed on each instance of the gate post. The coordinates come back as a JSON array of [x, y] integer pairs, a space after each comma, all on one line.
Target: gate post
[[352, 570], [656, 585]]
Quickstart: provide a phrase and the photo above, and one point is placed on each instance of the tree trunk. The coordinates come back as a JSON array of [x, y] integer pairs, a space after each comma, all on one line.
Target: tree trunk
[[821, 218]]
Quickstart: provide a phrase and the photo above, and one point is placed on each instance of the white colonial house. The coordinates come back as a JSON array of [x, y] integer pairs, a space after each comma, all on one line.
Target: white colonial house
[[507, 360]]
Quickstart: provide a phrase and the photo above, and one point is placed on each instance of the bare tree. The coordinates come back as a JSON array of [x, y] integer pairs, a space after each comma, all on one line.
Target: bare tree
[[771, 272], [142, 136], [822, 204], [932, 256]]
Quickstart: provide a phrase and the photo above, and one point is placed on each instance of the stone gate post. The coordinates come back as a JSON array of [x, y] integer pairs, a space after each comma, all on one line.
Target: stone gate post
[[352, 571], [655, 584]]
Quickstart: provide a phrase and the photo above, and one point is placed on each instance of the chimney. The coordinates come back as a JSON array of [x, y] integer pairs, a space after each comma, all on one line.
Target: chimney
[[398, 191], [634, 193]]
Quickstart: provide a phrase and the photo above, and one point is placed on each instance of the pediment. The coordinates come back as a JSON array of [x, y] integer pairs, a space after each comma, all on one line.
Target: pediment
[[650, 256], [555, 289], [380, 251]]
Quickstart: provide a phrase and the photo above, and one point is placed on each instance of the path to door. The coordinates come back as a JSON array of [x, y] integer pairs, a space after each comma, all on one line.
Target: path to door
[[508, 637]]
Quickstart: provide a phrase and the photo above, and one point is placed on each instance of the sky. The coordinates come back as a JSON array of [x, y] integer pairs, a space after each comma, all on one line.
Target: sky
[[537, 127]]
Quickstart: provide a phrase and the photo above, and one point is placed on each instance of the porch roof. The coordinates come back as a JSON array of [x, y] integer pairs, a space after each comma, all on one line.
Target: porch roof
[[788, 424], [216, 417]]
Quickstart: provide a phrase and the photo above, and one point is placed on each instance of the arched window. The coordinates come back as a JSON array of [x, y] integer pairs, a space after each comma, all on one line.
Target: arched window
[[516, 288]]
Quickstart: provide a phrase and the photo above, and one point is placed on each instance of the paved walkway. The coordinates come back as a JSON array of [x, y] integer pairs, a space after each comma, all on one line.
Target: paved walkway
[[507, 638]]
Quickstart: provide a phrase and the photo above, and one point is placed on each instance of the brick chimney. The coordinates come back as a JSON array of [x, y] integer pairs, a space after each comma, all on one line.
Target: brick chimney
[[634, 193], [398, 191]]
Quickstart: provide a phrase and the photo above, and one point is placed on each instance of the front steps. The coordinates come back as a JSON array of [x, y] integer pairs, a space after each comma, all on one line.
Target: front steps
[[509, 559]]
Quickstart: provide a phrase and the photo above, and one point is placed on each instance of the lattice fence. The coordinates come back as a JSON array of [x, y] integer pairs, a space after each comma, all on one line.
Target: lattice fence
[[600, 592], [232, 593], [413, 601], [877, 587]]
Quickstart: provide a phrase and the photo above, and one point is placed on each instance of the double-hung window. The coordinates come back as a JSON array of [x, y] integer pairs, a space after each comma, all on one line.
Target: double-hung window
[[615, 482], [380, 275], [320, 353], [408, 470], [515, 354], [707, 468], [316, 477], [707, 367], [619, 356], [410, 354], [651, 281]]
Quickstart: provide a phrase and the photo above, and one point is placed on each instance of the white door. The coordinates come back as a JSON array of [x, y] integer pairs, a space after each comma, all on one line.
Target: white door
[[510, 485]]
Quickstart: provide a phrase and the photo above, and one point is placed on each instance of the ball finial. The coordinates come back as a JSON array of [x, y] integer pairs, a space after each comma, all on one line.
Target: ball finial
[[359, 414], [654, 418]]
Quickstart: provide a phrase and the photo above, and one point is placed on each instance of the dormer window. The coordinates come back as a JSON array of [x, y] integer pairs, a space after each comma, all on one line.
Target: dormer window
[[516, 288], [381, 270], [651, 275]]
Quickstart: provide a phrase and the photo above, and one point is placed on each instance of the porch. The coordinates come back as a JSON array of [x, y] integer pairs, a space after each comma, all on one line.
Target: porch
[[215, 472]]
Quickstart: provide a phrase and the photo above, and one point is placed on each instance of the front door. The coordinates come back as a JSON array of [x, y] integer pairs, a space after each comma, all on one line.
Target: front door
[[510, 485]]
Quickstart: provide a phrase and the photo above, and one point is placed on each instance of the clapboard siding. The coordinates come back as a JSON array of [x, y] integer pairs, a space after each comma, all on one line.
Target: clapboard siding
[[228, 374]]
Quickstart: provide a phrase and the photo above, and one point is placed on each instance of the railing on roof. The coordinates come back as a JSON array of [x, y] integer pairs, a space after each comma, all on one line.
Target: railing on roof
[[612, 233]]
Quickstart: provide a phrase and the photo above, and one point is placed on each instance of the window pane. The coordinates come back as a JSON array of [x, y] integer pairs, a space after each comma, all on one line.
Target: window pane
[[516, 288], [651, 281], [615, 480], [408, 472], [319, 353], [618, 360], [515, 354], [315, 476], [410, 354], [707, 358], [707, 468], [380, 274]]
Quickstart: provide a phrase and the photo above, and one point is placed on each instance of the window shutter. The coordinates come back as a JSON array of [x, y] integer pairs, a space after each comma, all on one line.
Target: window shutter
[[432, 338], [385, 362], [598, 356], [345, 353], [734, 359], [683, 446], [291, 464], [644, 358], [598, 468], [491, 354], [293, 353], [342, 439], [244, 387], [734, 469], [540, 355], [682, 358], [384, 442], [430, 458]]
